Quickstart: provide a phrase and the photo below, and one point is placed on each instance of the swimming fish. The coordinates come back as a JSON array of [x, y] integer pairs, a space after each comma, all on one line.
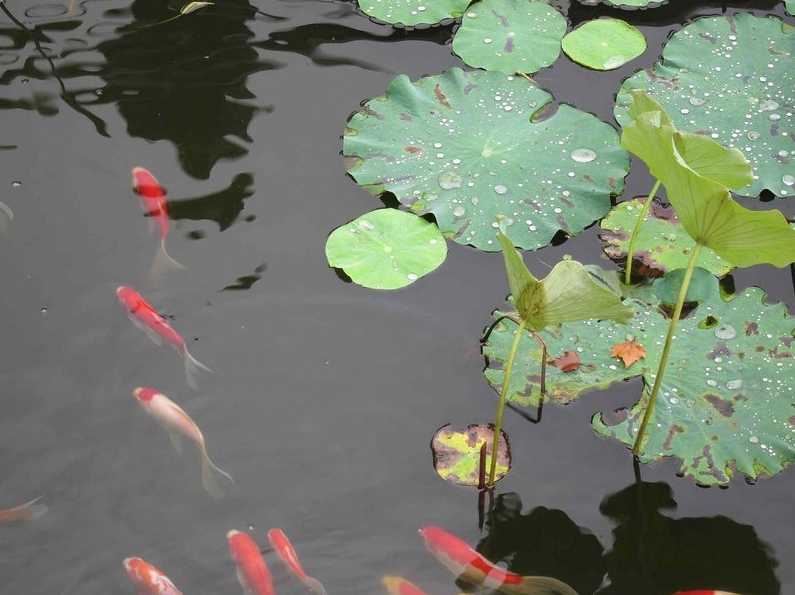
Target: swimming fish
[[148, 579], [179, 424], [397, 585], [252, 572], [146, 318], [29, 511], [153, 201], [471, 567], [286, 552], [704, 592]]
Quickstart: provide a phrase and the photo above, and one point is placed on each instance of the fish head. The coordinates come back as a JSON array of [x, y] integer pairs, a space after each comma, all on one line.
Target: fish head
[[126, 295], [145, 394], [133, 567], [146, 184]]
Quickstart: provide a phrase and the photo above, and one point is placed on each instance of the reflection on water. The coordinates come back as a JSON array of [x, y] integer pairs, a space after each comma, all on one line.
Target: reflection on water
[[223, 206]]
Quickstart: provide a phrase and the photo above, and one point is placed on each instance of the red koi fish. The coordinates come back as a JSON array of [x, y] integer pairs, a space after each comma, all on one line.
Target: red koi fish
[[179, 424], [252, 572], [146, 318], [286, 552], [29, 511], [399, 586], [470, 566], [153, 201], [148, 579], [704, 592]]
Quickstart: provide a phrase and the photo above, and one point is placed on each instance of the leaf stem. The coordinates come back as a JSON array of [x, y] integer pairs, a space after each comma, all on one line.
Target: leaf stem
[[636, 232], [637, 448], [506, 382]]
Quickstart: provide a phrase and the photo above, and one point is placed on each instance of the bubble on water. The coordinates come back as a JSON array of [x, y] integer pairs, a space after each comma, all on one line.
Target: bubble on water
[[500, 189], [459, 211], [788, 180], [768, 105], [583, 155], [734, 384], [449, 180], [725, 331], [412, 277]]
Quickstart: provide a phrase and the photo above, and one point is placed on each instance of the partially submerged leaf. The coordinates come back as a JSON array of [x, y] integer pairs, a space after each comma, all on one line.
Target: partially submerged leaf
[[193, 6], [413, 12], [604, 44], [463, 147], [456, 453], [703, 285], [386, 249], [510, 35], [628, 352], [568, 362]]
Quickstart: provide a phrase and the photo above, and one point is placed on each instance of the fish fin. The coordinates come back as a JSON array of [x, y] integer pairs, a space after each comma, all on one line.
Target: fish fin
[[192, 368], [35, 509], [176, 441], [212, 475], [314, 585], [538, 585], [153, 336], [163, 262]]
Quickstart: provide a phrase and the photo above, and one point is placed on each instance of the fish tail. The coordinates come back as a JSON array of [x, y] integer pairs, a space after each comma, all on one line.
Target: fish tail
[[35, 509], [538, 585], [314, 585], [192, 368], [163, 262], [212, 476]]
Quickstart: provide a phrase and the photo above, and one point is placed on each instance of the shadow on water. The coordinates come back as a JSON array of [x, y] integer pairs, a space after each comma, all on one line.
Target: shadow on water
[[223, 206]]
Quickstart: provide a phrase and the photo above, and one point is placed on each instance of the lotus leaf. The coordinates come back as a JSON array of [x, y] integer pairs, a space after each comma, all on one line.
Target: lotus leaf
[[471, 149], [510, 35], [730, 78], [703, 285], [413, 12], [456, 453], [604, 44]]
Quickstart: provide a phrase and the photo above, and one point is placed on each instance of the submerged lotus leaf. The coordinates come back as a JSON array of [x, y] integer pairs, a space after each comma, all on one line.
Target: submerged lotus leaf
[[790, 6], [731, 78], [662, 244], [510, 35], [627, 4], [456, 453], [703, 285], [386, 249], [604, 44], [466, 147], [413, 12]]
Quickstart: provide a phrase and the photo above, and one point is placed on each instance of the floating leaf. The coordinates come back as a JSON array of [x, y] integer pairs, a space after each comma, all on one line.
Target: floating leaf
[[703, 285], [193, 6], [568, 362], [604, 44], [413, 12], [789, 5], [731, 78], [456, 453], [386, 249], [662, 244], [463, 146], [628, 352], [510, 35]]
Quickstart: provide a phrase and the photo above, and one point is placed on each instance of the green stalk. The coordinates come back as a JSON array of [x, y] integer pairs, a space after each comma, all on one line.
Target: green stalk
[[506, 381], [636, 232], [637, 449]]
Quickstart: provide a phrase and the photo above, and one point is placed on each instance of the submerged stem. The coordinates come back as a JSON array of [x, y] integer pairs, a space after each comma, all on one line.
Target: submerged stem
[[506, 382], [637, 448], [636, 232]]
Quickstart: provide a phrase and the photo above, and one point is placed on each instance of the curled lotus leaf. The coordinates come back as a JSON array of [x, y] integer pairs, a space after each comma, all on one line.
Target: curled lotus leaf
[[413, 12], [730, 78], [662, 244], [456, 453], [481, 152]]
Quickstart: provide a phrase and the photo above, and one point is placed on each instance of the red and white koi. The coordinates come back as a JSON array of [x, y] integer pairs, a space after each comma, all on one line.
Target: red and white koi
[[471, 567], [179, 424], [157, 328], [153, 201], [29, 511], [287, 554], [148, 578], [252, 571], [397, 585]]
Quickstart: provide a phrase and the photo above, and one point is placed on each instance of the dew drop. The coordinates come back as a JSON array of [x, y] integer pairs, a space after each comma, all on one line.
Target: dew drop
[[696, 101], [411, 277], [583, 155], [754, 439], [734, 384], [449, 180], [768, 105], [500, 189], [487, 40], [789, 180], [711, 382], [725, 331], [753, 135], [459, 211], [16, 183], [366, 225]]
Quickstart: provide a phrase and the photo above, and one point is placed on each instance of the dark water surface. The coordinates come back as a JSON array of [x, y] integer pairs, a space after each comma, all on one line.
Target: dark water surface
[[325, 394]]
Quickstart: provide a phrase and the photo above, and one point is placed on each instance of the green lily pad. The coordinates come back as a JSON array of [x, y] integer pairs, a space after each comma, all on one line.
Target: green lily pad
[[789, 5], [386, 249], [413, 12], [465, 147], [662, 245], [730, 78], [510, 35], [604, 44], [703, 285], [456, 453]]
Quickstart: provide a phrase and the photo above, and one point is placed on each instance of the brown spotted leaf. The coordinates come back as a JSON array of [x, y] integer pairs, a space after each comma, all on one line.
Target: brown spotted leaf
[[568, 362], [456, 453], [629, 352]]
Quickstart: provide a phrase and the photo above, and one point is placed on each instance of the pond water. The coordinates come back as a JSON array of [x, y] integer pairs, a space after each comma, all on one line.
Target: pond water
[[325, 394]]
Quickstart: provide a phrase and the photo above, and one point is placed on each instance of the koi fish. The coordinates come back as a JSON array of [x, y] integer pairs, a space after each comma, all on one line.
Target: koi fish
[[29, 511], [157, 328], [399, 586], [470, 566], [153, 201], [704, 592], [148, 578], [286, 552], [252, 572], [179, 424]]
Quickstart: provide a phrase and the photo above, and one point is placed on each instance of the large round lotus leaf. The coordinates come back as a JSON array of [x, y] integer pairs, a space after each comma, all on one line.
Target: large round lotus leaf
[[662, 244], [604, 44], [727, 399], [464, 147], [456, 453], [413, 12], [510, 35], [386, 249], [730, 78]]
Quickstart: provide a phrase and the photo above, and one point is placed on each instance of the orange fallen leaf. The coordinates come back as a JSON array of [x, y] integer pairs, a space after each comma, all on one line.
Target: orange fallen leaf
[[629, 352], [568, 362]]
